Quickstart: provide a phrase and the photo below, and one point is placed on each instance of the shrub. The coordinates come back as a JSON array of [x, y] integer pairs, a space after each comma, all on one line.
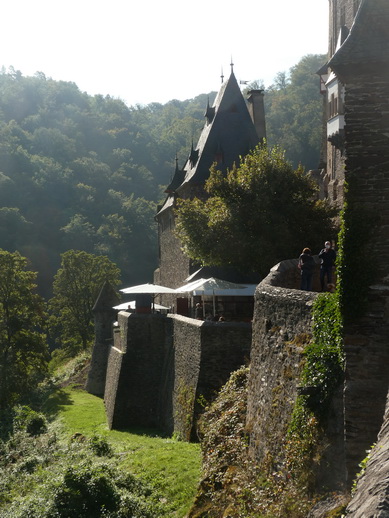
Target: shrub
[[28, 420], [85, 491], [100, 446]]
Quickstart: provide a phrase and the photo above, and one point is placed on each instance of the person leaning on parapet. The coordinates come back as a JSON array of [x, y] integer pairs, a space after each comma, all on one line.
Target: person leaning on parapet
[[306, 265], [199, 311], [327, 256]]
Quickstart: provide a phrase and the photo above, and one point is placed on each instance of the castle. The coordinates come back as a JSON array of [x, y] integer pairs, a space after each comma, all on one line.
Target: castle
[[233, 127], [158, 366]]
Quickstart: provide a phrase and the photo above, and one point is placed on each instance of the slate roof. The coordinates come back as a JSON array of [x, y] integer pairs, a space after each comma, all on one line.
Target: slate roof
[[107, 299], [367, 44], [229, 133]]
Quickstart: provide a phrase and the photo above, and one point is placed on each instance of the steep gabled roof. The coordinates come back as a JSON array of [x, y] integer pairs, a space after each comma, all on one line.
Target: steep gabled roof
[[228, 134], [367, 44]]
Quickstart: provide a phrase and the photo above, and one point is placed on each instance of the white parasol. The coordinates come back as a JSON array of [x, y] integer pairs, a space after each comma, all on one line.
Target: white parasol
[[131, 305], [214, 286], [152, 289]]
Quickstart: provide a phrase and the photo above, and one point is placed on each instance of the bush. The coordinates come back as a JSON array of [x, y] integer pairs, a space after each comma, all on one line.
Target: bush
[[85, 491], [28, 420], [100, 446]]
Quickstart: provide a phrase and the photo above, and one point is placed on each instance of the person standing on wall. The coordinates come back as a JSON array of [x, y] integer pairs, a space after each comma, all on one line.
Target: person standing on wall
[[306, 265], [327, 256]]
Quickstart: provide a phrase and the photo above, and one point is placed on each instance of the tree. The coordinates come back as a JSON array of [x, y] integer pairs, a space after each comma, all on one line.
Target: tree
[[294, 112], [76, 287], [23, 349], [260, 213]]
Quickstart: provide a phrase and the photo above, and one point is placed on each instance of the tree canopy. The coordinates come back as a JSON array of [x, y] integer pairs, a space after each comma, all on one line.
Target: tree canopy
[[260, 213], [86, 172], [23, 351], [77, 285], [294, 112]]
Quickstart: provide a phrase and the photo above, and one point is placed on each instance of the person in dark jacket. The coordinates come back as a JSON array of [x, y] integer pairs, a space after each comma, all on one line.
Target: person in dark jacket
[[307, 265], [327, 257]]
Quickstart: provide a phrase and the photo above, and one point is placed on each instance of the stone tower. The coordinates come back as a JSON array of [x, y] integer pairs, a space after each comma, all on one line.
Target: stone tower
[[341, 19], [360, 64], [105, 316], [232, 129]]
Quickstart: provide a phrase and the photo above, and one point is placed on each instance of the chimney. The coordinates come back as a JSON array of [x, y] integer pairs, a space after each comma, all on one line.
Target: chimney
[[257, 112]]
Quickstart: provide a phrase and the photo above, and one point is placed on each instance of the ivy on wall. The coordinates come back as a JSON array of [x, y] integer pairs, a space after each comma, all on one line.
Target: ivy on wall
[[322, 373], [355, 261]]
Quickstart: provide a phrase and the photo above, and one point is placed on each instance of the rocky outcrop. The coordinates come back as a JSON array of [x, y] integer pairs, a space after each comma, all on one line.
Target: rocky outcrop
[[371, 499]]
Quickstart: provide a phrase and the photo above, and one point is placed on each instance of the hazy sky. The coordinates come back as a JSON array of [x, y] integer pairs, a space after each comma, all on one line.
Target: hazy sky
[[145, 51]]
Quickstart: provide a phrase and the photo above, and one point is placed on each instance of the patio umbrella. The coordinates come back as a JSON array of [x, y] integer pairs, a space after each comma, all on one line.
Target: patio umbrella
[[212, 286], [152, 289], [131, 305]]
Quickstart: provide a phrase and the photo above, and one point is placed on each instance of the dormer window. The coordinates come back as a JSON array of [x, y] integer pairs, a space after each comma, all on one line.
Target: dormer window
[[210, 114], [193, 157]]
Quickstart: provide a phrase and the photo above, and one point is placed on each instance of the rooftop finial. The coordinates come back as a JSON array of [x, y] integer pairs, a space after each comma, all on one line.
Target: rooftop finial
[[232, 66], [222, 76]]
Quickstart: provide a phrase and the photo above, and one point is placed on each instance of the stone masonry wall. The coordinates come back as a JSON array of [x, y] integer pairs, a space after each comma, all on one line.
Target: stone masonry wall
[[366, 341], [281, 328], [135, 372], [160, 365], [286, 274], [174, 265], [205, 355]]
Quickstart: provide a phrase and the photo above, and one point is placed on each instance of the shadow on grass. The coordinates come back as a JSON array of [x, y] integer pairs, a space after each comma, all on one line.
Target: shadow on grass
[[56, 401], [143, 432]]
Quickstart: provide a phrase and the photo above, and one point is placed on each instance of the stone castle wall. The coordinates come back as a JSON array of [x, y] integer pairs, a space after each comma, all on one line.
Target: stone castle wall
[[282, 326], [160, 365], [366, 341], [174, 266], [205, 354], [136, 371]]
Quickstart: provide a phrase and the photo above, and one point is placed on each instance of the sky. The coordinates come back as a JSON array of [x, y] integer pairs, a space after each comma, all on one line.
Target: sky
[[145, 51]]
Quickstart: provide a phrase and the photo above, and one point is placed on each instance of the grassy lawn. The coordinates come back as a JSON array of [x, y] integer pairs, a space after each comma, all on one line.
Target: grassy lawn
[[171, 466]]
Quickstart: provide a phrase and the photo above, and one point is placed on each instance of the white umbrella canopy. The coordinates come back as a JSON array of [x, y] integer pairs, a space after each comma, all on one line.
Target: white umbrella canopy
[[153, 289], [214, 287], [131, 305], [211, 286]]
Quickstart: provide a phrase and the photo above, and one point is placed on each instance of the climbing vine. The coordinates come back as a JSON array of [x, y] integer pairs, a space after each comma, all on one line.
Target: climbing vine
[[355, 267], [322, 374]]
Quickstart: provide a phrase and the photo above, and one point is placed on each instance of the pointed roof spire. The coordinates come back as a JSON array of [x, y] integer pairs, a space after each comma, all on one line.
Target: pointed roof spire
[[232, 66], [176, 180], [107, 299], [194, 155], [209, 112]]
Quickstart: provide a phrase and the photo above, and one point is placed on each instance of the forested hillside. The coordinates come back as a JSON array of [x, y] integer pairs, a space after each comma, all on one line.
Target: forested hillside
[[86, 172]]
